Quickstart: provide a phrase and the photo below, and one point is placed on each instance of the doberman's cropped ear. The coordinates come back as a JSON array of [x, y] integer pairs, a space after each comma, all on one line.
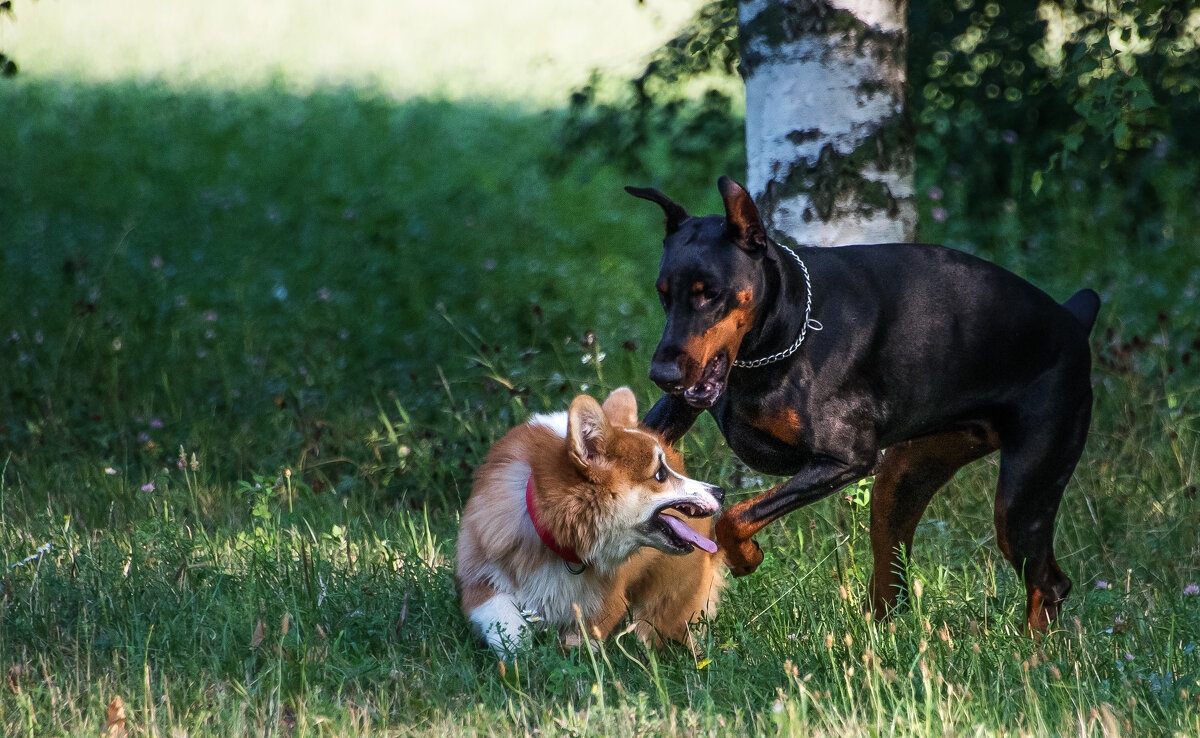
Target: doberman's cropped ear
[[588, 432], [743, 225], [621, 408], [673, 210]]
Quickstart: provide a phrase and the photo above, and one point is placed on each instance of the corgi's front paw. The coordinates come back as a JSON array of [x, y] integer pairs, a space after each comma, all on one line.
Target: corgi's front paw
[[505, 627], [574, 639]]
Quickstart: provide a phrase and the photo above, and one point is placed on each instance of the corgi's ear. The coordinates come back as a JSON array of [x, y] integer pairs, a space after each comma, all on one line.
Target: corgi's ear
[[588, 430], [621, 408]]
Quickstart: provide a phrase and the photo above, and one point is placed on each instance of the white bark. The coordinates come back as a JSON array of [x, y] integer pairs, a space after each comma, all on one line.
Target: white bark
[[829, 155]]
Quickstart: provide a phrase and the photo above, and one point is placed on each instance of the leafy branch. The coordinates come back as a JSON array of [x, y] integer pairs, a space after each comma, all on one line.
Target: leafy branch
[[8, 67]]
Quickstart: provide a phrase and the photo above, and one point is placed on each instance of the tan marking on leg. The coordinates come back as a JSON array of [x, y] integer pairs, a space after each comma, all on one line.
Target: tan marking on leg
[[909, 477], [784, 425], [1037, 617], [735, 537]]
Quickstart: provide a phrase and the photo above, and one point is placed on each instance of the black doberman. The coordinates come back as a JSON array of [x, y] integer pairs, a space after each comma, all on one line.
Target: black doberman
[[902, 361]]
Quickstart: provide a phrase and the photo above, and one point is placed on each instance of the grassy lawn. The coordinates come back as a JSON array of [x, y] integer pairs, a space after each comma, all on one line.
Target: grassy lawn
[[262, 313]]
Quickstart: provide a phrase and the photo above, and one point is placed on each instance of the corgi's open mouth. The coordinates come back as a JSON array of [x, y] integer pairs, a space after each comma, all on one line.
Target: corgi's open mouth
[[674, 534], [710, 385]]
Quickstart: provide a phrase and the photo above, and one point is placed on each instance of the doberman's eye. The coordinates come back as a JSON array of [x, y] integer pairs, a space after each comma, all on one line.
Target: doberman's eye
[[660, 476], [706, 296]]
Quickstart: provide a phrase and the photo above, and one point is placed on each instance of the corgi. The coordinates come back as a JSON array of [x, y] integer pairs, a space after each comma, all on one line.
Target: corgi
[[584, 515]]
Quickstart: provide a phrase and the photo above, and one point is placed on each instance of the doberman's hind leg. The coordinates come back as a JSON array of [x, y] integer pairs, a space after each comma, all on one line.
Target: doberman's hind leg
[[910, 475], [1036, 462]]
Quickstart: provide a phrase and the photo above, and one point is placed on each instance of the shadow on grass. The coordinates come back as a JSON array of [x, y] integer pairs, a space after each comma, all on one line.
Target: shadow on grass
[[203, 287], [254, 274]]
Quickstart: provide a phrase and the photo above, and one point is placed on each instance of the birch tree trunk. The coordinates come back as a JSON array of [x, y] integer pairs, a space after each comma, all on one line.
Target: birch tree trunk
[[828, 138]]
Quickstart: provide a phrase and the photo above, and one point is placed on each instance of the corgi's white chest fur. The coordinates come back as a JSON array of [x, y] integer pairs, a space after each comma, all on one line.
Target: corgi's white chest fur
[[551, 591]]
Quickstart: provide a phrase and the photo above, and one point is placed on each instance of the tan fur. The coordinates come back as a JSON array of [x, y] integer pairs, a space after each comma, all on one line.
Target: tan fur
[[590, 485], [726, 334], [784, 424], [668, 593]]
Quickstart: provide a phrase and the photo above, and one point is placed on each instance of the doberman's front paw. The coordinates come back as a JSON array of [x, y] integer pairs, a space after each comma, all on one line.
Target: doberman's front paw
[[741, 555], [749, 556]]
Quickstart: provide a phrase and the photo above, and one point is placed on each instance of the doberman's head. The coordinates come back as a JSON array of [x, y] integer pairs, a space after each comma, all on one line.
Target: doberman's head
[[710, 283]]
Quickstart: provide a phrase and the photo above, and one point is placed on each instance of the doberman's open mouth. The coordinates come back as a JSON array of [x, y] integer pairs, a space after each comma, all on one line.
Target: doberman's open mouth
[[708, 388]]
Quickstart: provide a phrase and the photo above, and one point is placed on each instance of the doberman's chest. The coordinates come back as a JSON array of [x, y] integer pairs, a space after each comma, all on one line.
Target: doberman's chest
[[769, 438]]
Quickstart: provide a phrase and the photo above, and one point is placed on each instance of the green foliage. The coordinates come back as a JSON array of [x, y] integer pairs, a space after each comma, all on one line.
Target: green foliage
[[1133, 77], [708, 44], [1099, 93], [1101, 89], [681, 108], [8, 67]]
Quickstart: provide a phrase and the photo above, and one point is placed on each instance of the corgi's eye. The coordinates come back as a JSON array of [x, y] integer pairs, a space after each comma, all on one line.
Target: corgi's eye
[[660, 476]]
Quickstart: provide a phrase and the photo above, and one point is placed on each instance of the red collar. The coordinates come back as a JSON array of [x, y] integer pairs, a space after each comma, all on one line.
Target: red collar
[[566, 554]]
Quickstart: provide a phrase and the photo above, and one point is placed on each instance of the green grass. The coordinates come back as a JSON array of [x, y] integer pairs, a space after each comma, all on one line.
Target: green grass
[[335, 297]]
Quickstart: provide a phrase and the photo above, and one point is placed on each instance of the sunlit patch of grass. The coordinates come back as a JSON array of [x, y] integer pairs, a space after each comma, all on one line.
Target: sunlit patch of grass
[[527, 52], [270, 606]]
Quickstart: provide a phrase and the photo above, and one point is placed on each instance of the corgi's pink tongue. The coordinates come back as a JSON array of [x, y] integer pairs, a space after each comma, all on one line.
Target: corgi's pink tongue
[[684, 531]]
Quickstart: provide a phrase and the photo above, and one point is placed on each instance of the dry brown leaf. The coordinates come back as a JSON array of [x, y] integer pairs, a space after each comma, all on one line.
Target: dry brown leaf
[[257, 639], [114, 719], [15, 673]]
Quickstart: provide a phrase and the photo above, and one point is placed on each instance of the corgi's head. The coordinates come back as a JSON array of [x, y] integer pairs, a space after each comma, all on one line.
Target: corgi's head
[[629, 489]]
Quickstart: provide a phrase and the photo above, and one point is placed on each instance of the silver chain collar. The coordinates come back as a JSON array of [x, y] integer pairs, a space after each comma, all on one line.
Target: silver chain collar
[[808, 323]]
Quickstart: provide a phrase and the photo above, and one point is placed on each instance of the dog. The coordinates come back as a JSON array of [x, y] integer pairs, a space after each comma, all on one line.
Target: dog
[[902, 361], [583, 515]]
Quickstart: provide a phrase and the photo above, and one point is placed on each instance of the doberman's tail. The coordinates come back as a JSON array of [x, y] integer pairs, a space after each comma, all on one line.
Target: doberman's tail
[[1084, 305]]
